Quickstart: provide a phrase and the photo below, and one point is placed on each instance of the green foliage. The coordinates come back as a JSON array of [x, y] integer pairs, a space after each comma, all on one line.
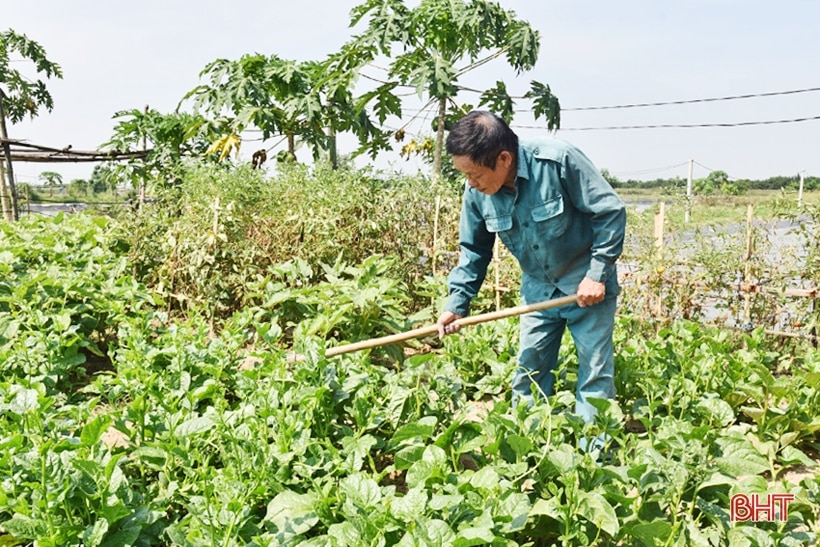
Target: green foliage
[[65, 286], [205, 240], [50, 180], [19, 94], [194, 436], [717, 182], [427, 42], [295, 99], [164, 138]]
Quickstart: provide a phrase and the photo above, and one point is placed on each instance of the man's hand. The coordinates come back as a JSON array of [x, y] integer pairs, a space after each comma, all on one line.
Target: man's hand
[[445, 323], [590, 292]]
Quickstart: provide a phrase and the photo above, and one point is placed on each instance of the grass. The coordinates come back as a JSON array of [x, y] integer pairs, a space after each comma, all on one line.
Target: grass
[[716, 210]]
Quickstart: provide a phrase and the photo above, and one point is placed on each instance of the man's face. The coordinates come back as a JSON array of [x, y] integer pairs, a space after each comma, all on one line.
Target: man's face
[[486, 180]]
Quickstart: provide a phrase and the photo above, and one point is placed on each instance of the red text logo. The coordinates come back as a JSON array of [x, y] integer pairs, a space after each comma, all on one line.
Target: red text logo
[[756, 507]]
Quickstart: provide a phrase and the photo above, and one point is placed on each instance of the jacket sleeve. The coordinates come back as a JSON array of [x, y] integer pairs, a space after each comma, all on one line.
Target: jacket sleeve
[[476, 251], [591, 193]]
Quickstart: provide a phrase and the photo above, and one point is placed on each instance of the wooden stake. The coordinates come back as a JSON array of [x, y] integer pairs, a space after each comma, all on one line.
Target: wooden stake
[[800, 192], [4, 195], [659, 219], [435, 233], [497, 267], [216, 217], [4, 135], [688, 214], [747, 305]]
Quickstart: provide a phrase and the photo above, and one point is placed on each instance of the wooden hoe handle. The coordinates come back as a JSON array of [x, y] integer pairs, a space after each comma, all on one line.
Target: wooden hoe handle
[[463, 322]]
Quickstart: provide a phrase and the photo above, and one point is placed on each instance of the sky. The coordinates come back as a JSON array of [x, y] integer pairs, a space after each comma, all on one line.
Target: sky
[[118, 55]]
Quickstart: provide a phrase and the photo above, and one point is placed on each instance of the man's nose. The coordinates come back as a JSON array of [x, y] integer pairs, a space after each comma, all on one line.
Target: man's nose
[[472, 183]]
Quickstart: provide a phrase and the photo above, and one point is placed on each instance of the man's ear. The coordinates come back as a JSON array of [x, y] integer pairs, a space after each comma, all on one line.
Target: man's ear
[[506, 158]]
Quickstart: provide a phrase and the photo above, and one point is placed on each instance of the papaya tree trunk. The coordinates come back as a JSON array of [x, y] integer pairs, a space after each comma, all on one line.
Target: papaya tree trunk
[[7, 152], [292, 146], [334, 160], [439, 150], [331, 134]]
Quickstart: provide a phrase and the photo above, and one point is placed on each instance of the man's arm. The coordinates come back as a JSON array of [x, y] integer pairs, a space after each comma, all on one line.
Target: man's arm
[[476, 252], [592, 194]]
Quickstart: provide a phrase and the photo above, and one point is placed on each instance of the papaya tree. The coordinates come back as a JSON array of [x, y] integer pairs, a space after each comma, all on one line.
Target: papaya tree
[[165, 138], [51, 180], [305, 101], [20, 95], [432, 45]]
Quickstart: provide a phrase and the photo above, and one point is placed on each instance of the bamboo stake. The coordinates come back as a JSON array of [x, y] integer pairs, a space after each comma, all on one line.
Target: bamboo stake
[[216, 217], [659, 219], [747, 304], [4, 195], [4, 135], [433, 329], [497, 267], [435, 233]]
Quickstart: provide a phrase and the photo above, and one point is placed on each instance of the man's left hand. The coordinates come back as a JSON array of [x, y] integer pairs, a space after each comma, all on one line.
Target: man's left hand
[[590, 292]]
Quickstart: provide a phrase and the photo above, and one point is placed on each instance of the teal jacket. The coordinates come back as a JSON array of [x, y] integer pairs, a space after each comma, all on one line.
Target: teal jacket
[[562, 223]]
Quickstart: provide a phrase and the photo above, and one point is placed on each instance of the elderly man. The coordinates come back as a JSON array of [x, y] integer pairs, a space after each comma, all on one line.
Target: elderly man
[[564, 224]]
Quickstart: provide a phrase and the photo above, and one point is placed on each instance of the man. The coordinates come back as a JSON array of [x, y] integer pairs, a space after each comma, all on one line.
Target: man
[[564, 224]]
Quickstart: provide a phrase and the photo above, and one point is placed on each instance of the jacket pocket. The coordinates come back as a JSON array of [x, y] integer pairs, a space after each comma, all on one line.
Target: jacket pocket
[[502, 226], [549, 217], [499, 224]]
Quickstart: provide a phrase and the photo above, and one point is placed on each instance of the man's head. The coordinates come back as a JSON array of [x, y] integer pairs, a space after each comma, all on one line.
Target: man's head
[[484, 148]]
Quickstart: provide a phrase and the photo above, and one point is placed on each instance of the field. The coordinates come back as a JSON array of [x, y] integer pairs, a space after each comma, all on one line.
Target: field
[[146, 397]]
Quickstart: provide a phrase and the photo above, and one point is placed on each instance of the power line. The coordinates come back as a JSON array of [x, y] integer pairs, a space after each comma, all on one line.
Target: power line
[[691, 101], [705, 167], [653, 170], [676, 126], [667, 103]]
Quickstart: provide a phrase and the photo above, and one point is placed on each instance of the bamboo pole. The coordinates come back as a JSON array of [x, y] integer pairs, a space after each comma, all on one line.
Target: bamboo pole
[[439, 149], [659, 220], [497, 268], [435, 234], [688, 215], [800, 192], [5, 198], [142, 181], [216, 218], [4, 135], [747, 304]]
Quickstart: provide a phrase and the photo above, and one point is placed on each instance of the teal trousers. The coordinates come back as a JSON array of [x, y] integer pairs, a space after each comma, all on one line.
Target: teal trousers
[[541, 332]]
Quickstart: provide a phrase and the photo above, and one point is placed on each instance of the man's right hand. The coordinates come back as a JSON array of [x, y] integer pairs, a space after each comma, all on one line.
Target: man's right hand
[[445, 323]]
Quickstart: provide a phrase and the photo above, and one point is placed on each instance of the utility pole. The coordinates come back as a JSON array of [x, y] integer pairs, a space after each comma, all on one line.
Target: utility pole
[[688, 214]]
